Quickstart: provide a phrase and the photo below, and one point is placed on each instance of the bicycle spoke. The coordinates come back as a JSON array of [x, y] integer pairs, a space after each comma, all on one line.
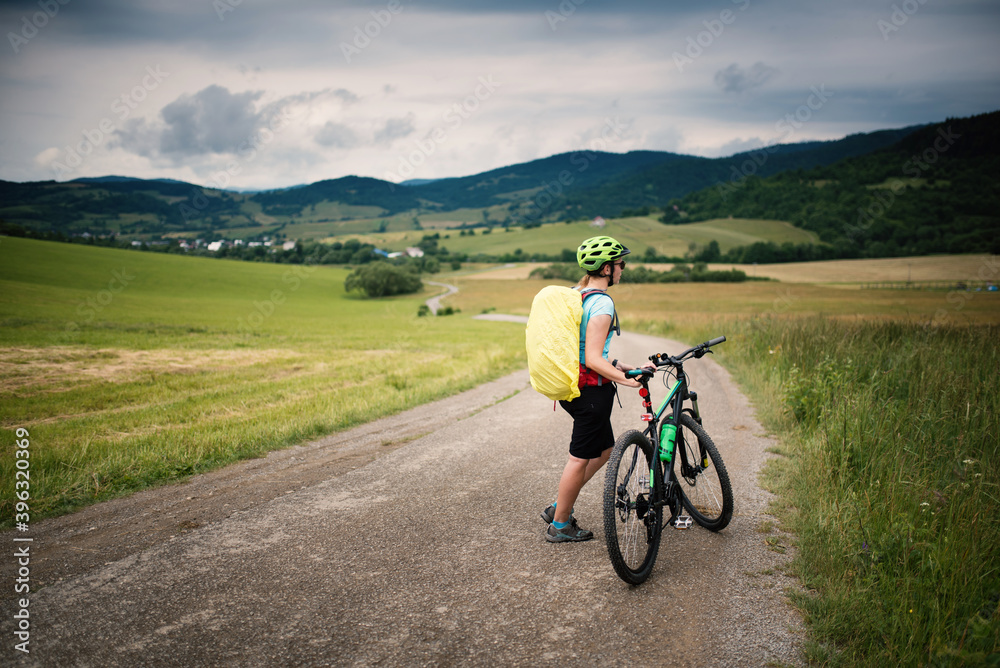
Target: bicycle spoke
[[706, 489], [631, 521]]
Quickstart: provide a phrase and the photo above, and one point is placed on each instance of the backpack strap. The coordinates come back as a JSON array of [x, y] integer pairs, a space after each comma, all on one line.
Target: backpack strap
[[615, 325], [588, 376]]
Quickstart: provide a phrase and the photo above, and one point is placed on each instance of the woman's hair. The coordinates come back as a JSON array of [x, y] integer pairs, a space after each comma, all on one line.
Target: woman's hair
[[585, 281]]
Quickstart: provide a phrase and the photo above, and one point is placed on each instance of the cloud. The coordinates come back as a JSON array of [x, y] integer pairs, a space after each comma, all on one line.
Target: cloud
[[738, 145], [735, 79], [345, 96], [47, 157], [395, 128], [336, 135], [212, 120]]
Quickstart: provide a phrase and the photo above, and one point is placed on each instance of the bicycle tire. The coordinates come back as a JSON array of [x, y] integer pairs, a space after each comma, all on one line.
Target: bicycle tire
[[705, 491], [632, 527]]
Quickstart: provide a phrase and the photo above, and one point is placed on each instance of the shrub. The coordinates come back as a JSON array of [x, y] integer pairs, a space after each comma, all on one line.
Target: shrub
[[381, 279]]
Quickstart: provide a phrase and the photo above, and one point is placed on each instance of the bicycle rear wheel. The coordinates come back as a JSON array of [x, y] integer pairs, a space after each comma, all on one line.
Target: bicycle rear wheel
[[632, 524], [702, 476]]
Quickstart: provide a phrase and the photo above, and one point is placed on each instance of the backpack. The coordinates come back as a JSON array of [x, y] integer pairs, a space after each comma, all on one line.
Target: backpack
[[552, 341]]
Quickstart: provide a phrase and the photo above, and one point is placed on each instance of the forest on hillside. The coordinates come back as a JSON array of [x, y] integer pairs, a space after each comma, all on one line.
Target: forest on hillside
[[937, 191]]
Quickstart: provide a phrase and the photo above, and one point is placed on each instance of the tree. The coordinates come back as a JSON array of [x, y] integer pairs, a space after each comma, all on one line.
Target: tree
[[711, 253], [381, 279]]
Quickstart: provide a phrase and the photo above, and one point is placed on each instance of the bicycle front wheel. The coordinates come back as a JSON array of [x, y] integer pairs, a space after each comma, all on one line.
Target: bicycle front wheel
[[632, 523], [702, 476]]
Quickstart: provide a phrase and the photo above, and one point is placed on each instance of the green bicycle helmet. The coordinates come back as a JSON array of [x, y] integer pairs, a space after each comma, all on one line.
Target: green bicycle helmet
[[595, 251]]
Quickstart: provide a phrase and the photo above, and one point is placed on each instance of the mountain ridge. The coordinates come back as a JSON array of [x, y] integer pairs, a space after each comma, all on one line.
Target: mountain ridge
[[566, 186]]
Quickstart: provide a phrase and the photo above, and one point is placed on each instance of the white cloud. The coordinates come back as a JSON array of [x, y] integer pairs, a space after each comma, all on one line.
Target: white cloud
[[336, 135]]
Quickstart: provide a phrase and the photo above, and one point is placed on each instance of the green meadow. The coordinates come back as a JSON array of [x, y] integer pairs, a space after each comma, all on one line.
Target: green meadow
[[636, 233], [131, 369]]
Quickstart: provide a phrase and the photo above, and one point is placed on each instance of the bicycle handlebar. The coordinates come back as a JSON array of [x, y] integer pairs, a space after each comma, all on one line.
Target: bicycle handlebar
[[663, 359]]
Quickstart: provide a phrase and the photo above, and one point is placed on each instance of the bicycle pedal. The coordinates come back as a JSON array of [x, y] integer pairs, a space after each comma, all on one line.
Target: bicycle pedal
[[682, 522]]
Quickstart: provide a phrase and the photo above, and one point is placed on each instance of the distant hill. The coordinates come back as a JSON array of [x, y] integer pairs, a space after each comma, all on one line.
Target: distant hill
[[416, 182], [118, 179], [517, 184], [675, 178], [569, 186], [934, 191], [354, 190]]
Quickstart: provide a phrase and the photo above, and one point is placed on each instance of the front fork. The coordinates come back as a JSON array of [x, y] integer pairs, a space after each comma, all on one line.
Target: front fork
[[695, 413]]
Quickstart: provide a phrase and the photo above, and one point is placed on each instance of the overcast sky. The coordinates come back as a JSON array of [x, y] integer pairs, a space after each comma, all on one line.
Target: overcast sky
[[261, 93]]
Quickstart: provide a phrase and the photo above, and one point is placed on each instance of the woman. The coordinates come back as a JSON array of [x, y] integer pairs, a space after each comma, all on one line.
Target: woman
[[592, 439]]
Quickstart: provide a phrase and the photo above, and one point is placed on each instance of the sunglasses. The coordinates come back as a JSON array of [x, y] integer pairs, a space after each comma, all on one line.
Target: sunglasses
[[621, 264]]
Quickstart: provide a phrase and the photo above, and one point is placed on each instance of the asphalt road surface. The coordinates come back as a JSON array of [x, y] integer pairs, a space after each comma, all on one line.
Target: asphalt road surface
[[414, 540], [434, 303]]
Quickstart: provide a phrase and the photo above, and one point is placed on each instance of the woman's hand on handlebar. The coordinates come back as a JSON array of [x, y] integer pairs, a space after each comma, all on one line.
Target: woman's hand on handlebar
[[630, 382]]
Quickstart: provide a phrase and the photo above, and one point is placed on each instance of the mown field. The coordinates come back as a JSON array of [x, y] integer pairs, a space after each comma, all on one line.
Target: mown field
[[130, 369]]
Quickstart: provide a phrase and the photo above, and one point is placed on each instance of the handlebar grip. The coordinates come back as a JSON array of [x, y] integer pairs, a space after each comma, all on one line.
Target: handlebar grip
[[715, 342]]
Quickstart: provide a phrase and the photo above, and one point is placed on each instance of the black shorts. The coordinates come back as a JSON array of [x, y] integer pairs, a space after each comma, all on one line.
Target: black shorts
[[591, 413]]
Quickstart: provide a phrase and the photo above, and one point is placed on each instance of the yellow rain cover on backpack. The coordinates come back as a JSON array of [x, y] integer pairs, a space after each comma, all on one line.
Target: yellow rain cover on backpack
[[552, 340]]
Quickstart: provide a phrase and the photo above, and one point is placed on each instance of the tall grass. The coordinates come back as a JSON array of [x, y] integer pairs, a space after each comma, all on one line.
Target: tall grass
[[891, 482]]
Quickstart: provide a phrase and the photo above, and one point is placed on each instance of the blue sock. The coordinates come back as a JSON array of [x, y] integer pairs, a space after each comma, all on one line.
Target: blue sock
[[560, 525]]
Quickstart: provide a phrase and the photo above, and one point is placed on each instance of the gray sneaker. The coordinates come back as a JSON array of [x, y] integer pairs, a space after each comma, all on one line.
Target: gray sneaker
[[569, 533], [549, 514]]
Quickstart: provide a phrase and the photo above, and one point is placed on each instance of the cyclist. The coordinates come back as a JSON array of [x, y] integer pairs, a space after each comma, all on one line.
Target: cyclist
[[592, 438]]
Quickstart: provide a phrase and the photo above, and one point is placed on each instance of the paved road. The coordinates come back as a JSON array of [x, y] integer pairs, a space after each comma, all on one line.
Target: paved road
[[433, 554], [434, 303]]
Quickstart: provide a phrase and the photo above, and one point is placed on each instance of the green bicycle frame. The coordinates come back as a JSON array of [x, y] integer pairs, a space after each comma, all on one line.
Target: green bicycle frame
[[654, 423]]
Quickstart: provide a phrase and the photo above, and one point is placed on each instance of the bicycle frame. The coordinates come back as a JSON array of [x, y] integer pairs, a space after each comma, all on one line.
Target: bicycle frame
[[677, 394]]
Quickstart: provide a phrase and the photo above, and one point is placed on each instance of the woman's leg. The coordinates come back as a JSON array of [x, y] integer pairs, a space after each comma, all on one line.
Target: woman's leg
[[595, 465], [573, 478], [576, 474]]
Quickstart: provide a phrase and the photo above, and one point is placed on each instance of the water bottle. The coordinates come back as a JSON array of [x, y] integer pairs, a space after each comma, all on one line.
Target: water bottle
[[668, 432]]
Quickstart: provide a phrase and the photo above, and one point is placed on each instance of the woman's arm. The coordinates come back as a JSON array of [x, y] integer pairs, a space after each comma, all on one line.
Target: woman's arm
[[597, 334]]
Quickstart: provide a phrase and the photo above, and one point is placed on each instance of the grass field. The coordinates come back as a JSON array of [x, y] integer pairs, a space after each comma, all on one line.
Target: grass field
[[636, 233], [133, 369], [968, 268], [890, 480], [667, 308], [846, 273], [130, 369]]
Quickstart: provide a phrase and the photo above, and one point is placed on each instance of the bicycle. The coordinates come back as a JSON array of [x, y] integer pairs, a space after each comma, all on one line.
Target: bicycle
[[680, 467]]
